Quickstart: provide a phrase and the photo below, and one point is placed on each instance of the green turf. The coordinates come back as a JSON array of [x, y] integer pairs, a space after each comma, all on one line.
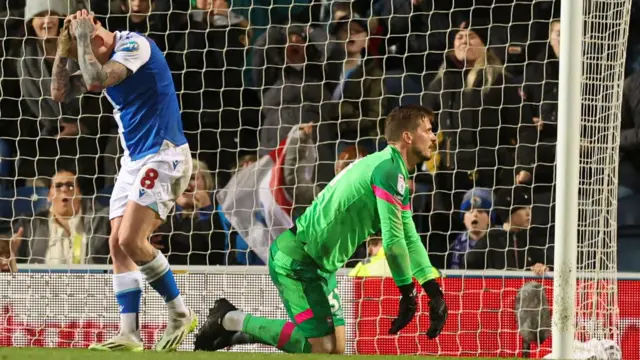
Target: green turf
[[78, 354]]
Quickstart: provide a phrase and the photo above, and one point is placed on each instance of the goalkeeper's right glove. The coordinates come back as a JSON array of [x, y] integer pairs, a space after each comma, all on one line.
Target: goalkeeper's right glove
[[408, 307], [437, 308]]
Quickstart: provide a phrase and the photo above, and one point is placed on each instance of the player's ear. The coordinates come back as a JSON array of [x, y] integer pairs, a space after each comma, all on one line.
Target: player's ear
[[407, 137]]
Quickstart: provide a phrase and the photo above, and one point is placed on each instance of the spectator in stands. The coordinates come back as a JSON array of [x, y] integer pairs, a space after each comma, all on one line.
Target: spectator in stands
[[511, 247], [71, 231], [375, 264], [361, 86], [478, 217], [295, 67], [138, 16], [193, 235], [541, 91], [43, 23], [44, 125], [206, 53], [482, 124], [417, 38]]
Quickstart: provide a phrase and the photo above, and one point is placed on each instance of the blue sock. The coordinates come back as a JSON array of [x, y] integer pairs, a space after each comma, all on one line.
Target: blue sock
[[166, 286], [160, 277], [128, 290]]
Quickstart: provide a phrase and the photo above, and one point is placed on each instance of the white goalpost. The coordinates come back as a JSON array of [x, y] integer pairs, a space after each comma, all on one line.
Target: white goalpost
[[227, 92], [568, 170], [592, 57]]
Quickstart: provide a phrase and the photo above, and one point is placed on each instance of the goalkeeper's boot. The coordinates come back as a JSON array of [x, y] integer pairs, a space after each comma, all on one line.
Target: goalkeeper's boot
[[176, 331], [120, 342], [213, 336]]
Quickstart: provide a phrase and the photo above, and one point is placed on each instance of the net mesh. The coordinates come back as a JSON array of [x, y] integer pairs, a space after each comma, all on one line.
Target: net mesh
[[246, 78], [603, 64]]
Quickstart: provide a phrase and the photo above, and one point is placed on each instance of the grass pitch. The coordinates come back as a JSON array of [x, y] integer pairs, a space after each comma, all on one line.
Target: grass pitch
[[81, 354]]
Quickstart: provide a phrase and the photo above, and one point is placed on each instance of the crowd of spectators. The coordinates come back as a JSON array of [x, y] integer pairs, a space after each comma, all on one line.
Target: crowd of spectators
[[291, 92]]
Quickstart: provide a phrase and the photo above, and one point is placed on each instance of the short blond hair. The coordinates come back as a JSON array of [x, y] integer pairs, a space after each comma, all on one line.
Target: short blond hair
[[203, 169]]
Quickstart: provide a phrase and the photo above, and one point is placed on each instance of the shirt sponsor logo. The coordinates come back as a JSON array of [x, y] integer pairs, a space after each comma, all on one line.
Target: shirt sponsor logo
[[131, 46]]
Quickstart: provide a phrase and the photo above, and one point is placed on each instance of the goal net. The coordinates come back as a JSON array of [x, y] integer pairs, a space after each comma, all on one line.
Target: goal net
[[249, 76]]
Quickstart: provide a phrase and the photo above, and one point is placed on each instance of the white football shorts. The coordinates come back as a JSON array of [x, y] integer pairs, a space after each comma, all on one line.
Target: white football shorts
[[155, 181]]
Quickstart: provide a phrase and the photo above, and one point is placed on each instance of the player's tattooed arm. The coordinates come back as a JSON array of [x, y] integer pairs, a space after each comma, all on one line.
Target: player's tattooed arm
[[64, 85], [96, 76]]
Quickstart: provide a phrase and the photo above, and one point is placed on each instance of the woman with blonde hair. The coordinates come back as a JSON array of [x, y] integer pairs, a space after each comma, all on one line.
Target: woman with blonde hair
[[481, 122]]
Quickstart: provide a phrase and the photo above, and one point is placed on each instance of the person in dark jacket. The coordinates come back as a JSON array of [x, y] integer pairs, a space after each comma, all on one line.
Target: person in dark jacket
[[360, 89], [540, 89], [488, 137], [28, 113], [73, 230], [417, 36], [295, 67], [137, 16], [509, 247]]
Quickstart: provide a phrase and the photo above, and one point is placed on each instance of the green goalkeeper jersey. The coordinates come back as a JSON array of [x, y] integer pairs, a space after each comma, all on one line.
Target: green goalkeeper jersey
[[370, 195]]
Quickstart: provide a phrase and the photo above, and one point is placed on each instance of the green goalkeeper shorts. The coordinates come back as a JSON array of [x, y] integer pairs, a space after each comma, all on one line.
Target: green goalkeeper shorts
[[309, 295]]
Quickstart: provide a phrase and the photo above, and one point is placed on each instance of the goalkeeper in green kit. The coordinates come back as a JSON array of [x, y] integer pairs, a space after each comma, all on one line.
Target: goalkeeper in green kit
[[368, 196]]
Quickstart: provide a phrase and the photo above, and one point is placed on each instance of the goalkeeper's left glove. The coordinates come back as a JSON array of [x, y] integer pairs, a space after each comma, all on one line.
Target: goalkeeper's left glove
[[408, 307], [437, 308]]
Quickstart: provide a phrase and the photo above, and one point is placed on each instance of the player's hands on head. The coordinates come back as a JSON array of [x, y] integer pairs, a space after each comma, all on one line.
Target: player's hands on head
[[437, 308], [83, 24], [65, 39], [408, 307]]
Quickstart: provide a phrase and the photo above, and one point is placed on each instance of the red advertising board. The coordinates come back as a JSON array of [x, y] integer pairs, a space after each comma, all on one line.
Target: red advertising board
[[481, 317], [481, 321]]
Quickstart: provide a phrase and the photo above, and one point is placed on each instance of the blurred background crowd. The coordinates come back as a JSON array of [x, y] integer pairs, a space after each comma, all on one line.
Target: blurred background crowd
[[278, 96]]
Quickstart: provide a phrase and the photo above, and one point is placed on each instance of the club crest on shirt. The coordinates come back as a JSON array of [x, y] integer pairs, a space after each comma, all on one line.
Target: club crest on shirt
[[131, 46], [401, 184]]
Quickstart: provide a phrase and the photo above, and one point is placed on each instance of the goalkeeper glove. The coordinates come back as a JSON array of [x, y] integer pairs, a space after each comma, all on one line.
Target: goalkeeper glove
[[408, 307], [437, 308]]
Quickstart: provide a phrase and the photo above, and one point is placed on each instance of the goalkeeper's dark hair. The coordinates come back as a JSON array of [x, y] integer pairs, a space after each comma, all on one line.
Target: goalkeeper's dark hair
[[405, 118]]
